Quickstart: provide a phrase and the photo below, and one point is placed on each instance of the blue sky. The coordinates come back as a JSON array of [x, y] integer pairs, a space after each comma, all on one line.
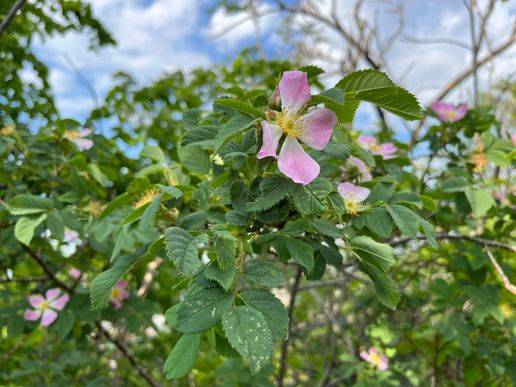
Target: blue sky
[[156, 36]]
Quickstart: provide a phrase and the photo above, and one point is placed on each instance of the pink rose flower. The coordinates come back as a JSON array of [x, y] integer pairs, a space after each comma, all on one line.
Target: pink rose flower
[[379, 361], [46, 307], [355, 163], [119, 294], [370, 143], [77, 137], [75, 273], [447, 112], [353, 196], [314, 128], [513, 138], [70, 235]]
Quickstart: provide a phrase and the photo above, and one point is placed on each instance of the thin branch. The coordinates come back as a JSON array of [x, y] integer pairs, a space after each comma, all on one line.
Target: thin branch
[[24, 279], [284, 347], [120, 345], [10, 15], [475, 239], [506, 283], [454, 42], [128, 354]]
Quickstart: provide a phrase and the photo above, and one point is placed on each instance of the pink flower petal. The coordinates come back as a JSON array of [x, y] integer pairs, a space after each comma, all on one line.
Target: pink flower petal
[[70, 235], [31, 315], [85, 132], [49, 316], [52, 294], [36, 300], [365, 173], [353, 192], [387, 150], [461, 112], [384, 363], [122, 284], [364, 355], [317, 127], [270, 139], [513, 138], [61, 302], [84, 143], [124, 295], [75, 273], [367, 140], [295, 163], [116, 303], [294, 90], [373, 351]]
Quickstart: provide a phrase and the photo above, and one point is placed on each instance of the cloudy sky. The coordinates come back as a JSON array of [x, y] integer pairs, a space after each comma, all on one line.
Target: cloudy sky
[[156, 36]]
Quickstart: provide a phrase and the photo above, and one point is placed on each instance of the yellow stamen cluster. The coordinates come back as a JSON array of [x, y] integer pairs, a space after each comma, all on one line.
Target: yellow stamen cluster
[[451, 115], [352, 207], [71, 134], [44, 305], [116, 293], [289, 124], [147, 197], [375, 359], [479, 158], [95, 207], [7, 130]]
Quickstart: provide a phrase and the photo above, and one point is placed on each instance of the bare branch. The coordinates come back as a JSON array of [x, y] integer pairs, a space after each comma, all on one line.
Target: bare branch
[[506, 283], [10, 15]]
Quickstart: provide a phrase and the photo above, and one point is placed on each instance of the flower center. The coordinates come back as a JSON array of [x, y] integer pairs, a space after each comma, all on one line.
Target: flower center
[[44, 305], [71, 134], [287, 123], [147, 197], [375, 359], [451, 115], [375, 147], [352, 207], [116, 293]]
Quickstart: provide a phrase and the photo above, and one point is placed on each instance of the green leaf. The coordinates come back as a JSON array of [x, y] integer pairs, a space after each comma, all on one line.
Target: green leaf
[[248, 332], [274, 189], [226, 247], [100, 289], [149, 216], [195, 159], [405, 219], [376, 87], [378, 221], [311, 71], [271, 308], [182, 358], [26, 204], [202, 136], [387, 291], [301, 252], [326, 228], [182, 249], [377, 254], [25, 227], [263, 273], [240, 106], [234, 127], [311, 199], [334, 99], [121, 201], [122, 241], [224, 278], [56, 224], [98, 175], [153, 152], [480, 200], [202, 309]]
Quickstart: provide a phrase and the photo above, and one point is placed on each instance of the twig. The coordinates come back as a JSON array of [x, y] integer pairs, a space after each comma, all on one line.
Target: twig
[[24, 279], [506, 283], [481, 241], [120, 345], [10, 15], [128, 354], [284, 346]]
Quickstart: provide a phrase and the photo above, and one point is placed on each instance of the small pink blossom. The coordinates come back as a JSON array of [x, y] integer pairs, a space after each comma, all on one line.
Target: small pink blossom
[[77, 137], [379, 361], [46, 307], [75, 273], [513, 138], [314, 128], [355, 163], [119, 294], [447, 112], [353, 196], [385, 150], [70, 235]]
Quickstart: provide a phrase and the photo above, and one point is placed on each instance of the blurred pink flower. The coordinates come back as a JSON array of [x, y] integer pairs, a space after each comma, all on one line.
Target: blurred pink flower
[[447, 112], [46, 307], [385, 150], [75, 273], [364, 171], [353, 196], [119, 294], [513, 138], [379, 361], [70, 235], [314, 128], [77, 137]]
